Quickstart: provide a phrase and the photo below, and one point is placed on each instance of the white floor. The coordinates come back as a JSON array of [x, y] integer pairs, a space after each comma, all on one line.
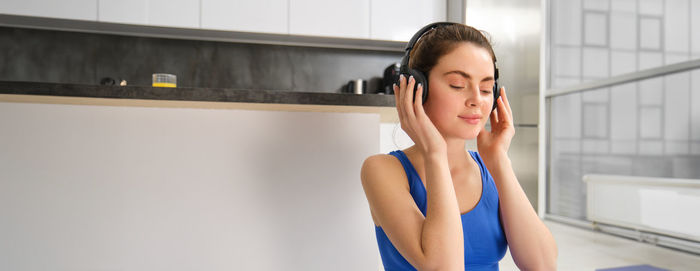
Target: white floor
[[581, 249]]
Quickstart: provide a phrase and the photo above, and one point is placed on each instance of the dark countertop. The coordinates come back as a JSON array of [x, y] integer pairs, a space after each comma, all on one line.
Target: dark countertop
[[195, 94]]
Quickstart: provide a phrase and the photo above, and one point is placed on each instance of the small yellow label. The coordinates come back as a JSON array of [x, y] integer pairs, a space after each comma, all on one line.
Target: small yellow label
[[164, 85]]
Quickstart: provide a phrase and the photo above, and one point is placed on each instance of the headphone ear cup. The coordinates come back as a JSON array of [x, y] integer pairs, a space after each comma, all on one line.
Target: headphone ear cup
[[420, 79], [496, 94]]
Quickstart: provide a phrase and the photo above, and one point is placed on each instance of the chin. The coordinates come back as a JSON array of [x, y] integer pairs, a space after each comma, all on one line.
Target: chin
[[460, 130], [467, 134]]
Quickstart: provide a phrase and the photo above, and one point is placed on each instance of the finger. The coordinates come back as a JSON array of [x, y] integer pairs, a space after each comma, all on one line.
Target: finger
[[418, 104], [396, 92], [500, 109], [507, 103], [402, 93], [408, 99], [504, 115], [402, 81], [397, 95], [494, 118], [401, 102], [404, 114], [399, 88], [397, 101]]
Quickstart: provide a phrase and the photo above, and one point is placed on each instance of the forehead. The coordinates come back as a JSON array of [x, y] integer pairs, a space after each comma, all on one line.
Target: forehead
[[468, 58]]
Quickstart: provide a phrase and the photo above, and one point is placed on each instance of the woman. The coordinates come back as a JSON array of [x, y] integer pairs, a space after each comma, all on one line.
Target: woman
[[435, 205]]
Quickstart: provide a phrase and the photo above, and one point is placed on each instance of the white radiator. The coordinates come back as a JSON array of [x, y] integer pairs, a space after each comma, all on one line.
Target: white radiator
[[665, 206]]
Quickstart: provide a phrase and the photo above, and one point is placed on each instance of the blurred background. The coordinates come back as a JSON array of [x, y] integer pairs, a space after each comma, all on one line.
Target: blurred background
[[605, 95]]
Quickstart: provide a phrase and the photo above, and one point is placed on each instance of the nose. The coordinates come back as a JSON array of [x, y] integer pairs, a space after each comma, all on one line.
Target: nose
[[472, 98]]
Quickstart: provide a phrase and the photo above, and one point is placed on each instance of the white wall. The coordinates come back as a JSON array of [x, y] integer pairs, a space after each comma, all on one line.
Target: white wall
[[392, 138], [131, 188]]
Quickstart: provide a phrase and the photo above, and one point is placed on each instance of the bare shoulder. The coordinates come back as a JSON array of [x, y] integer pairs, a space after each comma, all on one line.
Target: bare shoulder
[[383, 180], [378, 162], [382, 168]]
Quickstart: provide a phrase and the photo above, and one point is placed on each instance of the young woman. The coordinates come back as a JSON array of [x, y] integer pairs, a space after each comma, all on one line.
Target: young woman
[[437, 206]]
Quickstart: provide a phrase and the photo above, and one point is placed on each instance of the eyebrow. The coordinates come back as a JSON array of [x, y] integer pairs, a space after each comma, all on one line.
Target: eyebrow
[[466, 75]]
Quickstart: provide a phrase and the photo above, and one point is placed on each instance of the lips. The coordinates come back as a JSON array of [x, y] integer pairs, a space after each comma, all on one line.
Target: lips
[[471, 118]]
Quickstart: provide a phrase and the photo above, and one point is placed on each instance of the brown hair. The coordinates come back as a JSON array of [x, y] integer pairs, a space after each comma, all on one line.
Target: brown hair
[[441, 41]]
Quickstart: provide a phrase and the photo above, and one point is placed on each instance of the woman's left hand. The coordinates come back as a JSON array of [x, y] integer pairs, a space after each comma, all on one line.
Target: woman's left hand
[[495, 143]]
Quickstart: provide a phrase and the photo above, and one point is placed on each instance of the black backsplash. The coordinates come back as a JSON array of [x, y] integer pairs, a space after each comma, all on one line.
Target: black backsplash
[[85, 58]]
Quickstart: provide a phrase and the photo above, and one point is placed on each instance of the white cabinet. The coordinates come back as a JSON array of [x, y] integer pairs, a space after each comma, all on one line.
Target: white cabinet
[[123, 11], [330, 18], [183, 13], [268, 16], [361, 19], [394, 21], [65, 9]]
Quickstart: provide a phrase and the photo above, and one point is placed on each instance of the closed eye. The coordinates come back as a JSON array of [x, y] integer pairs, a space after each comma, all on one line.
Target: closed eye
[[456, 87]]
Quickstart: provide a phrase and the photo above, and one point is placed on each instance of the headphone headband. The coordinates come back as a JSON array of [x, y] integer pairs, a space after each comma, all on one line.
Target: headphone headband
[[416, 37]]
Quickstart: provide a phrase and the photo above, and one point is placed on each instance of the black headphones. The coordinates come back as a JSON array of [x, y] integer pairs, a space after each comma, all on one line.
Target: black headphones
[[422, 78]]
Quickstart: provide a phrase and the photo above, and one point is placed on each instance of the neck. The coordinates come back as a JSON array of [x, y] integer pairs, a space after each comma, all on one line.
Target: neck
[[457, 156], [456, 153]]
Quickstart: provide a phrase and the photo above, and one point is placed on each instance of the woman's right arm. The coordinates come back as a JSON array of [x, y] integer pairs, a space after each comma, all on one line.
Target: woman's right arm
[[433, 242]]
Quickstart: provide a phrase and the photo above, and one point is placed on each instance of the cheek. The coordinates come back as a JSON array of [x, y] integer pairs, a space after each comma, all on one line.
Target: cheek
[[488, 104], [487, 113], [440, 100], [439, 106], [432, 109]]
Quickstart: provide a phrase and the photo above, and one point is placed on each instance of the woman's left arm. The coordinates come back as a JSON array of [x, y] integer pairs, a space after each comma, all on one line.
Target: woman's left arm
[[530, 241]]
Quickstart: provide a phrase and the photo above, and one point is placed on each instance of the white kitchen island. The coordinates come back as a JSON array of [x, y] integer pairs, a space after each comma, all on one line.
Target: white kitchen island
[[129, 184]]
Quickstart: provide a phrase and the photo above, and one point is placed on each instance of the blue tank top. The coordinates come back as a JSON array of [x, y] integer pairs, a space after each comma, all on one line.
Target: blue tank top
[[484, 239]]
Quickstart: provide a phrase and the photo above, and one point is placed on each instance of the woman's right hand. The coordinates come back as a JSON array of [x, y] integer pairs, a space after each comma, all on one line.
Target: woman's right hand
[[413, 119]]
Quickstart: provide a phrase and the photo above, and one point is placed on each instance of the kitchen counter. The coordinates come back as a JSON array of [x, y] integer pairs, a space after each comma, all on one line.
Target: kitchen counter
[[221, 98]]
